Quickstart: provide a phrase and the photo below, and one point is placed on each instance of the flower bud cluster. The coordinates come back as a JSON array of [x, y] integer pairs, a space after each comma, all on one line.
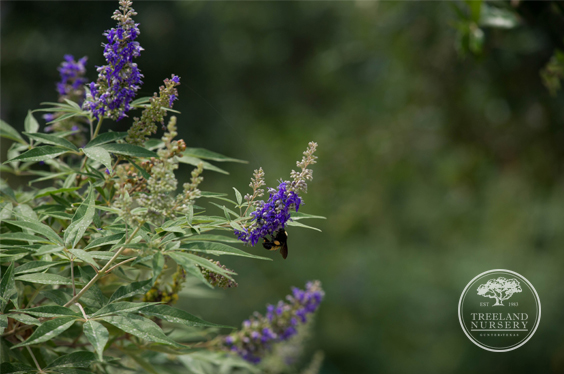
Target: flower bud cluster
[[156, 195], [279, 324], [118, 81], [218, 280], [167, 293], [155, 112], [257, 181], [298, 183]]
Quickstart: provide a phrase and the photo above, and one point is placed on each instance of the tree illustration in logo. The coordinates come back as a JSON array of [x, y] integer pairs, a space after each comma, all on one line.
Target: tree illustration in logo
[[499, 289]]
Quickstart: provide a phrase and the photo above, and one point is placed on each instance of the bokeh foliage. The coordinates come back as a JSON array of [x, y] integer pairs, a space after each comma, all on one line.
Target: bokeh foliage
[[434, 167]]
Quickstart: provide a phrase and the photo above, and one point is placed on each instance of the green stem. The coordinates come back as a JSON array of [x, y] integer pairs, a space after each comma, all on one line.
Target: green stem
[[104, 270], [98, 126]]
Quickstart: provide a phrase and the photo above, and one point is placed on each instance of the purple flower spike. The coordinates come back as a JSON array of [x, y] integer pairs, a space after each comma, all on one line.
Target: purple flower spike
[[119, 80], [272, 215], [281, 323]]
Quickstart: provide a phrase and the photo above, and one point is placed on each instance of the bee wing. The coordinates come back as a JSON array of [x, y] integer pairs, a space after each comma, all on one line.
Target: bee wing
[[284, 251]]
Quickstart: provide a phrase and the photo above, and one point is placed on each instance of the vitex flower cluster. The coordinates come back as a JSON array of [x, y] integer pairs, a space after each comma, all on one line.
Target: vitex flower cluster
[[272, 215], [155, 112], [119, 80], [110, 243], [70, 87], [280, 323]]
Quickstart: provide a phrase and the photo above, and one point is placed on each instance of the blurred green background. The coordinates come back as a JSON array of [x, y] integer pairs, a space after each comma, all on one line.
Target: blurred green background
[[432, 168]]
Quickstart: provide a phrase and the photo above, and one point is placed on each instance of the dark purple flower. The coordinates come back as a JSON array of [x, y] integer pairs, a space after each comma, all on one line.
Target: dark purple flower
[[272, 215], [258, 334], [72, 76], [119, 80]]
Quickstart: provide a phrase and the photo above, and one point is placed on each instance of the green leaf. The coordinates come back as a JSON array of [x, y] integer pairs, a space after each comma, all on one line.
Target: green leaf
[[132, 289], [188, 259], [141, 327], [500, 18], [211, 237], [8, 132], [298, 224], [209, 155], [105, 240], [97, 335], [143, 172], [40, 154], [50, 311], [298, 215], [99, 154], [218, 249], [81, 220], [84, 256], [16, 368], [39, 228], [54, 191], [30, 123], [6, 212], [196, 161], [120, 307], [44, 278], [238, 196], [158, 264], [174, 315], [129, 150], [106, 137], [52, 139], [8, 287], [190, 214], [48, 330], [81, 359], [36, 266], [24, 318]]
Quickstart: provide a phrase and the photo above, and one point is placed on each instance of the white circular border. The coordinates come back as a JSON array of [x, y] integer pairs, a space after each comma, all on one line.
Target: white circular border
[[464, 293]]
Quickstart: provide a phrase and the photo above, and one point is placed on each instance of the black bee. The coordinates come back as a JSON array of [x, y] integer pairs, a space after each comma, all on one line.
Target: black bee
[[278, 241]]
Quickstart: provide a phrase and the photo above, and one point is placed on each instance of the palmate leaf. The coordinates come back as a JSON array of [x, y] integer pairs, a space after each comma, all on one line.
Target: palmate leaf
[[105, 240], [48, 330], [52, 139], [40, 154], [81, 220], [140, 327], [97, 335]]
